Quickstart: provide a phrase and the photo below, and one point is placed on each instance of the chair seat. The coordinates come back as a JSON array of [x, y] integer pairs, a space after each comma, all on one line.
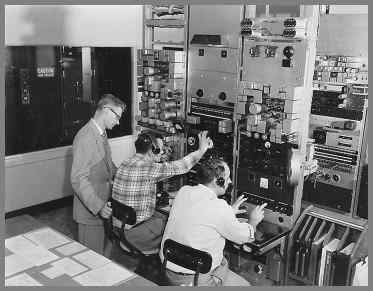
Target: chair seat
[[149, 252]]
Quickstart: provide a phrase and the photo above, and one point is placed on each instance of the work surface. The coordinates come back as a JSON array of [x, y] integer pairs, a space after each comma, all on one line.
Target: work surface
[[37, 255]]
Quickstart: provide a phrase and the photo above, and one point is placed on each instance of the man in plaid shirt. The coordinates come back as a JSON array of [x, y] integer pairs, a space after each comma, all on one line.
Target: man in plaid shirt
[[135, 186]]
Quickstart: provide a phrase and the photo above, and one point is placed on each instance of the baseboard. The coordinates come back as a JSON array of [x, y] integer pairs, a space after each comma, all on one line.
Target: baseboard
[[47, 206]]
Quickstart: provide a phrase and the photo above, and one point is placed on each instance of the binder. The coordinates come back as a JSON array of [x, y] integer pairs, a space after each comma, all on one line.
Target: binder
[[331, 246], [343, 262], [341, 265], [326, 240], [321, 263], [315, 250], [307, 249], [299, 245]]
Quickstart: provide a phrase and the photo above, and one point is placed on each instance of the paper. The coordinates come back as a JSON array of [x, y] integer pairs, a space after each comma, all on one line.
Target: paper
[[69, 266], [91, 259], [107, 275], [331, 246], [70, 249], [65, 266], [18, 243], [263, 183], [361, 274], [22, 280], [15, 264], [38, 255], [47, 237], [29, 250], [52, 272]]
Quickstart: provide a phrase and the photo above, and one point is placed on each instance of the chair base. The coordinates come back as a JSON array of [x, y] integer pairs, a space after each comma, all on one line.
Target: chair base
[[150, 268], [146, 253]]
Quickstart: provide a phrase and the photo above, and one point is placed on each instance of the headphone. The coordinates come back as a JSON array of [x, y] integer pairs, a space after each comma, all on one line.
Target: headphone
[[220, 180], [149, 139]]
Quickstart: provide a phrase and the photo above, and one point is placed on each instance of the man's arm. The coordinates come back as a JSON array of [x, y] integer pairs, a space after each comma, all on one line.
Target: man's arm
[[230, 227], [234, 230], [165, 170], [80, 171]]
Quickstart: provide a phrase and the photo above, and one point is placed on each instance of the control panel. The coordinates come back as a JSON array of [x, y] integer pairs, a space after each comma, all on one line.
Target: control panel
[[338, 118], [212, 93], [161, 81], [273, 102], [161, 86]]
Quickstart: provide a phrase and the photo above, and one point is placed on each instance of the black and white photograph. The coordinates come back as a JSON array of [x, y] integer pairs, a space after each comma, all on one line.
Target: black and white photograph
[[186, 144]]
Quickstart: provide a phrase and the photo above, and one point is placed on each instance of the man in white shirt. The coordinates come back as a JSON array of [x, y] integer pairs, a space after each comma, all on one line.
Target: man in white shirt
[[202, 221]]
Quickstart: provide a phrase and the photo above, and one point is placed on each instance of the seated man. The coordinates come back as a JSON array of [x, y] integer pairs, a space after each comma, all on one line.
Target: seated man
[[202, 221], [135, 185]]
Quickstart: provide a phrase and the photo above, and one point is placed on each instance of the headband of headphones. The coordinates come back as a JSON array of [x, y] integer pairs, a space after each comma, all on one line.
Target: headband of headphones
[[217, 165], [149, 139]]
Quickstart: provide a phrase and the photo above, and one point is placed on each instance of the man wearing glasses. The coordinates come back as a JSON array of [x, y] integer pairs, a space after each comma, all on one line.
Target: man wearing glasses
[[92, 173]]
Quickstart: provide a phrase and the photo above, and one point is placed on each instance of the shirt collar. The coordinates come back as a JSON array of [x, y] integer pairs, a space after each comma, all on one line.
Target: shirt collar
[[211, 194], [100, 130]]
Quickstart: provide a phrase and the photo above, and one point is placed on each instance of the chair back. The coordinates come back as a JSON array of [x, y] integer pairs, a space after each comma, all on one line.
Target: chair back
[[123, 212], [187, 257]]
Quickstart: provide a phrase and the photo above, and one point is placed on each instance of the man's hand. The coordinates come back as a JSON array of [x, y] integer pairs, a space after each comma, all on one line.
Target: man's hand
[[205, 142], [236, 205], [105, 211], [257, 215]]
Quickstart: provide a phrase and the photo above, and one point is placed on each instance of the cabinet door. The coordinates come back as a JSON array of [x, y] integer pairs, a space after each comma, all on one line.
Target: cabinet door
[[112, 67], [76, 110], [33, 100]]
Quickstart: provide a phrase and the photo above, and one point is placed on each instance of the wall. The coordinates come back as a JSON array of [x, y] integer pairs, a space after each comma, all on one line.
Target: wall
[[79, 25], [345, 34], [43, 176], [216, 19]]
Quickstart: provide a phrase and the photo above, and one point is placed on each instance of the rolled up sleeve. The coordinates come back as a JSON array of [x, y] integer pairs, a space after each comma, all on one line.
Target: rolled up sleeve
[[234, 230]]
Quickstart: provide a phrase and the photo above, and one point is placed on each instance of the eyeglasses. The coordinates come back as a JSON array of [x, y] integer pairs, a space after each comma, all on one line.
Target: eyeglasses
[[117, 116]]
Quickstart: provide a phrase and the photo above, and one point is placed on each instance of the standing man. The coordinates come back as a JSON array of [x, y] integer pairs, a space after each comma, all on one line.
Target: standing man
[[135, 186], [200, 220], [92, 172]]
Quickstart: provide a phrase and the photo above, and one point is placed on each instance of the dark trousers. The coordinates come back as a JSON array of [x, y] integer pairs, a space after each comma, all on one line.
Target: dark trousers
[[93, 237], [147, 236]]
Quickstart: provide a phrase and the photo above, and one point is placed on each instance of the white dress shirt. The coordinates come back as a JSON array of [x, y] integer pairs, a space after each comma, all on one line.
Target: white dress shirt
[[202, 221], [100, 130]]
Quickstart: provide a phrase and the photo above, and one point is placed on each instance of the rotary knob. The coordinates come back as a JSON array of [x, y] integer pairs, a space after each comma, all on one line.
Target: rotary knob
[[222, 96], [191, 140], [199, 93], [288, 52], [255, 108]]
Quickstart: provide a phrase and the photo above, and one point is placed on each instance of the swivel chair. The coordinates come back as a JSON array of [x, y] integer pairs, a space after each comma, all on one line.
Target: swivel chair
[[187, 257], [127, 215]]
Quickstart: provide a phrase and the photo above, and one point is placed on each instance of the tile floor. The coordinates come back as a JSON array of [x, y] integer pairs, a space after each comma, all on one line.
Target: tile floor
[[61, 220]]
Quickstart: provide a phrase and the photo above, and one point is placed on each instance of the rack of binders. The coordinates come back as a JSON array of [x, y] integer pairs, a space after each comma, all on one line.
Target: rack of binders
[[327, 249]]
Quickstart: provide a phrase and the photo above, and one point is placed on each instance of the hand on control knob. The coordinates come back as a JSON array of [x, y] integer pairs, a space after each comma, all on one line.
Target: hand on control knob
[[205, 142], [236, 205], [257, 215]]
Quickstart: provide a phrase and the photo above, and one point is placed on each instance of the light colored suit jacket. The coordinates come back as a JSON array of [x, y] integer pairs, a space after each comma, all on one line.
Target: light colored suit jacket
[[91, 174]]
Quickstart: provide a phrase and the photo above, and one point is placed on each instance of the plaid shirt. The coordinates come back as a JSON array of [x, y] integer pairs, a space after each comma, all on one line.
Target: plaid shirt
[[136, 178]]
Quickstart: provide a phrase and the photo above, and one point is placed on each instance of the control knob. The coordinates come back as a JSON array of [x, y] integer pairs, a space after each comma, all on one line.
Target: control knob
[[255, 108], [222, 96], [199, 93], [288, 52]]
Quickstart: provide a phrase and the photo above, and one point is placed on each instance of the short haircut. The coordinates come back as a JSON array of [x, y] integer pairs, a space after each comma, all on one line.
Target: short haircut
[[210, 168], [110, 99], [146, 141]]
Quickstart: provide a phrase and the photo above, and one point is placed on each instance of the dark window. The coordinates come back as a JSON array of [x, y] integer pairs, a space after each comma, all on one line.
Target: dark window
[[51, 92]]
